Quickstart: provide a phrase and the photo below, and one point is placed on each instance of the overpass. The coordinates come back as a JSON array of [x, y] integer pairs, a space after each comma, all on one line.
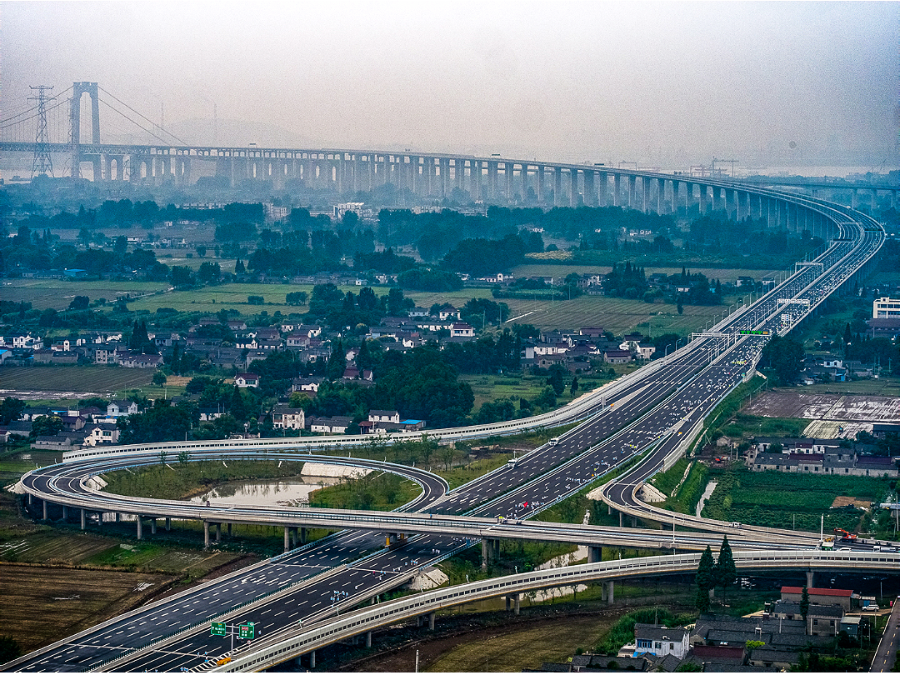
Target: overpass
[[647, 411]]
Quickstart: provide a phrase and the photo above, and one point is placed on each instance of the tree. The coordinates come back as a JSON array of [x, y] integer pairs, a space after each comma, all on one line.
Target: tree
[[46, 426], [159, 379], [804, 604], [705, 579], [574, 387], [726, 571], [79, 303], [784, 358], [10, 410], [555, 380], [680, 306], [9, 649]]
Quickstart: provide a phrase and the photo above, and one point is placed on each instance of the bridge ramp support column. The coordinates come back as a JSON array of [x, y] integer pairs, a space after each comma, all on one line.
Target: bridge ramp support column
[[368, 639], [621, 520], [218, 532], [118, 517], [595, 554], [140, 527], [44, 503], [229, 529], [153, 526], [100, 518], [485, 553], [83, 518], [293, 537], [610, 588], [287, 539], [65, 514], [312, 659], [302, 536], [516, 600], [168, 523], [206, 534], [431, 621], [810, 579]]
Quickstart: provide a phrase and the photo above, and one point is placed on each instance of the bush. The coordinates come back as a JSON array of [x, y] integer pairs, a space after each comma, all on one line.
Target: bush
[[256, 300]]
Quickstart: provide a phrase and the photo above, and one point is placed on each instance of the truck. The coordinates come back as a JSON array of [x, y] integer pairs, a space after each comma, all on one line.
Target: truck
[[827, 544], [512, 462], [554, 441]]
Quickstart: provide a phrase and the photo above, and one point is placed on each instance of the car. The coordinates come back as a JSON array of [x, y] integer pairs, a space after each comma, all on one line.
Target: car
[[845, 549], [871, 607]]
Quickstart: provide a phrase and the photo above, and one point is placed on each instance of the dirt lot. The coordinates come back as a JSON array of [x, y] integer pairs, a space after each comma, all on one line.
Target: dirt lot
[[41, 605], [824, 407]]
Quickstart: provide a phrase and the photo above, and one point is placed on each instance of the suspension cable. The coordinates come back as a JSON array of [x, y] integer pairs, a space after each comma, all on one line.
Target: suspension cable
[[142, 117]]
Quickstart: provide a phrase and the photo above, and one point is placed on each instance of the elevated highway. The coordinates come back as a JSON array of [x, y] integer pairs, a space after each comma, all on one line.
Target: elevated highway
[[660, 408]]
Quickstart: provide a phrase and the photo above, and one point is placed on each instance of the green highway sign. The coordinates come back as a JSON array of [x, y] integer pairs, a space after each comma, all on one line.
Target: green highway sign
[[247, 631], [217, 629]]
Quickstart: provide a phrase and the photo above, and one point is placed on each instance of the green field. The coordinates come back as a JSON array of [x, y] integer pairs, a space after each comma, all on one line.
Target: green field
[[58, 294], [888, 386], [563, 270], [83, 379], [787, 500]]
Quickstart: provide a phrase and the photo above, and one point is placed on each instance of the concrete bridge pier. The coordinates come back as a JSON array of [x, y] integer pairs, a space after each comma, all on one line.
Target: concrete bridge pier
[[153, 526], [287, 539], [810, 579], [44, 517], [83, 519], [218, 531], [228, 531], [609, 590], [65, 513], [617, 190], [512, 601], [368, 639], [140, 527], [206, 534], [169, 524], [557, 187], [621, 520], [312, 659], [431, 621], [302, 535], [595, 554], [486, 549]]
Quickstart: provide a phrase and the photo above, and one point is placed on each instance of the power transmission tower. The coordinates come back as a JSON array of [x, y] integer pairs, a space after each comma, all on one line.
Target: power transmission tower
[[42, 164]]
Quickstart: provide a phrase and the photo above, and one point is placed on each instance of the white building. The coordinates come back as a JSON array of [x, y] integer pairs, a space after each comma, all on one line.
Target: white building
[[285, 417], [660, 640], [885, 307]]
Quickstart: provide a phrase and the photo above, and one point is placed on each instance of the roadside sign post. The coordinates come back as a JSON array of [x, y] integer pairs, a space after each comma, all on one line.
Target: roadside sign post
[[245, 631]]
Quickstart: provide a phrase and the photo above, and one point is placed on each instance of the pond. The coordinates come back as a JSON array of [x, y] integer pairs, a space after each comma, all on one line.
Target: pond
[[293, 492]]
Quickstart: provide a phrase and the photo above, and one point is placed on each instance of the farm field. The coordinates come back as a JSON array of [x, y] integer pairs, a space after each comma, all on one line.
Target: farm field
[[57, 294], [41, 605], [788, 500], [80, 380], [613, 314], [563, 270]]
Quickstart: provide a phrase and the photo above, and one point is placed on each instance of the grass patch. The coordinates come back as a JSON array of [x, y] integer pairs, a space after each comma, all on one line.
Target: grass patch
[[177, 481], [380, 491], [689, 493], [745, 425], [668, 480]]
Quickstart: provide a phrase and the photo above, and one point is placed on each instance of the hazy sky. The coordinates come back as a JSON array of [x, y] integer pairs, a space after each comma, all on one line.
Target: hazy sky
[[663, 84]]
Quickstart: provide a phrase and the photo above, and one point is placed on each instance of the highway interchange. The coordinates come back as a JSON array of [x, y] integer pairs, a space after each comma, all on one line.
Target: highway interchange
[[350, 567]]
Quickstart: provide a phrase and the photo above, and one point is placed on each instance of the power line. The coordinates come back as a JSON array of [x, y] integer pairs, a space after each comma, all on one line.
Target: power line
[[31, 109], [34, 116]]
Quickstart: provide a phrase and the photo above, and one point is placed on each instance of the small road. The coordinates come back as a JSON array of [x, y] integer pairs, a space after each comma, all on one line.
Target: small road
[[886, 654]]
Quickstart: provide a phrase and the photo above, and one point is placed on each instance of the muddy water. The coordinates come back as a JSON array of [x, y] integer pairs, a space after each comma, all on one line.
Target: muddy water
[[292, 492]]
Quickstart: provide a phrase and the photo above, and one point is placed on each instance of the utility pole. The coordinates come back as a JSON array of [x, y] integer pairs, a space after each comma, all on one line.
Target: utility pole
[[42, 164]]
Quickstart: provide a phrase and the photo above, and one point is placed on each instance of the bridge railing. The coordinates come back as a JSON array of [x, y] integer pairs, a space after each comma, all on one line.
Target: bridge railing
[[265, 654]]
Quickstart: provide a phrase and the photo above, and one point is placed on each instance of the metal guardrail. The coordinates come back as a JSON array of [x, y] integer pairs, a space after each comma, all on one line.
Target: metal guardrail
[[264, 654]]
